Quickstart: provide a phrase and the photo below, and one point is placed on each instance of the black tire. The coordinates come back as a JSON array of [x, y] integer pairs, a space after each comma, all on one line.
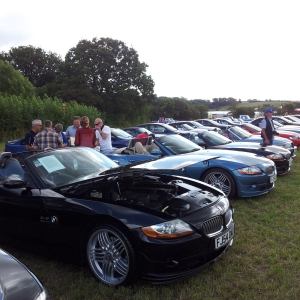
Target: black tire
[[111, 256], [222, 180]]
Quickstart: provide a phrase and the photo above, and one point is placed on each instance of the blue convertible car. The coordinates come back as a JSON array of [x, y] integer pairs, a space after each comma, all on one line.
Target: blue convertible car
[[235, 173]]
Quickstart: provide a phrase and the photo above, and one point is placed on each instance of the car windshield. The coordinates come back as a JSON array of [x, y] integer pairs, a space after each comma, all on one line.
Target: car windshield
[[281, 118], [276, 124], [120, 133], [214, 123], [241, 133], [196, 124], [178, 144], [187, 127], [142, 129], [60, 167], [169, 127], [252, 127], [216, 138], [293, 119]]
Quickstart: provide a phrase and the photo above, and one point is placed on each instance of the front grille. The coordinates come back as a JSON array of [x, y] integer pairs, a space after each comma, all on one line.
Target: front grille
[[270, 169], [213, 225]]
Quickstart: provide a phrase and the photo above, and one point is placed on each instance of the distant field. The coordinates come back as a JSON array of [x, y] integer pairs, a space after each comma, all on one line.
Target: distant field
[[259, 104]]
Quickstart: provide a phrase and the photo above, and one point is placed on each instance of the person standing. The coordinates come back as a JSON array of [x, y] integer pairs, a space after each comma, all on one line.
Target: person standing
[[59, 130], [47, 138], [85, 136], [71, 130], [267, 127], [103, 135], [30, 135]]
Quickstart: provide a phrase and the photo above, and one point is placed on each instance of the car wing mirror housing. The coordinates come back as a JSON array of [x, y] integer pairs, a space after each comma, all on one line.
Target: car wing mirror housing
[[156, 152], [14, 183]]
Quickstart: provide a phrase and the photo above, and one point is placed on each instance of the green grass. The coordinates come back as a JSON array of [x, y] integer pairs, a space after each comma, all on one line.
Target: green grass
[[263, 263]]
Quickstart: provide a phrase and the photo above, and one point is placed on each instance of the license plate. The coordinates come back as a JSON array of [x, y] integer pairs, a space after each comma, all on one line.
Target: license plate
[[225, 238], [290, 161], [273, 178]]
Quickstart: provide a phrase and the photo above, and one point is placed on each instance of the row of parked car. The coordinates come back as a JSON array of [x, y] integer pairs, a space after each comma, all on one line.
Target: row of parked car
[[156, 210]]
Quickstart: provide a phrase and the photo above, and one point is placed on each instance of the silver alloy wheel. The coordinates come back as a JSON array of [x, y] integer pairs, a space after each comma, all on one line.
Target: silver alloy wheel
[[108, 256], [219, 180]]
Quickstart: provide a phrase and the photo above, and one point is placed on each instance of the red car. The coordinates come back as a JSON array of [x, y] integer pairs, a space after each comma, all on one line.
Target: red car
[[293, 136]]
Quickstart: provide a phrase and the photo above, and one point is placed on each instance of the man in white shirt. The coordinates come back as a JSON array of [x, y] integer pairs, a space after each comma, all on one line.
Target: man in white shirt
[[103, 136]]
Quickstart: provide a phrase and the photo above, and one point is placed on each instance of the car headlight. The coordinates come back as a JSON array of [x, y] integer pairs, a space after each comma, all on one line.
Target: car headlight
[[287, 146], [251, 170], [168, 230], [294, 138], [275, 156]]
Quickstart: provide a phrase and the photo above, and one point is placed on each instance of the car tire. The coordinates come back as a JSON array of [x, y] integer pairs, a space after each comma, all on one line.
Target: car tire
[[111, 256], [222, 180]]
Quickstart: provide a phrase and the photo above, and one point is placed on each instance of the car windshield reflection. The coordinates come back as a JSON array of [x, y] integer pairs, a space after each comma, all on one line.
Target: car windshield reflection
[[57, 168], [120, 133], [178, 144], [241, 133], [216, 138]]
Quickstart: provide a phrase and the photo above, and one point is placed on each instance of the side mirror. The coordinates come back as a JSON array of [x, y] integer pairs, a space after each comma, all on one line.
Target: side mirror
[[156, 152], [14, 183]]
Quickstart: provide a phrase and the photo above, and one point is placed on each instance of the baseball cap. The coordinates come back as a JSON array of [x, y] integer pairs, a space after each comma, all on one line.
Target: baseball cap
[[269, 110]]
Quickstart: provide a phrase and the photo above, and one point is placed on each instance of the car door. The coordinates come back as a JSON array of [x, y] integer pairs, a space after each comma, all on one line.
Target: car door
[[20, 211]]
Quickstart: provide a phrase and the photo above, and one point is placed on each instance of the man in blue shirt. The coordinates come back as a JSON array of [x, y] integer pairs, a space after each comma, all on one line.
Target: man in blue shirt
[[71, 130]]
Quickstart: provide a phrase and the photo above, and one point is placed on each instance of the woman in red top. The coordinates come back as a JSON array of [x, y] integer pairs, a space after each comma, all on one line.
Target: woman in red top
[[85, 136]]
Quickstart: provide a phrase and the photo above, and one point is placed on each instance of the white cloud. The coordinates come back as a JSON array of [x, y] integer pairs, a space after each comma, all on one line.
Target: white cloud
[[195, 49]]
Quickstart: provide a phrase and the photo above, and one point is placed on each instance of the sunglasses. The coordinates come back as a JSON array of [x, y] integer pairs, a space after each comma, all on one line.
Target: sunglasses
[[97, 124]]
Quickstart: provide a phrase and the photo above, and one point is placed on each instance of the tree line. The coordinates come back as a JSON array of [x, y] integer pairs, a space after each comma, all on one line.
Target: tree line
[[103, 74]]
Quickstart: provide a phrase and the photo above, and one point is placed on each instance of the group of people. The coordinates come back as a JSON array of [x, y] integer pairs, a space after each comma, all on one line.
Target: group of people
[[78, 134]]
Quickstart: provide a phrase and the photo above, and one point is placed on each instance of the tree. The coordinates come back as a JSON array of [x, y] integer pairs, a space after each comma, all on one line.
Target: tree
[[289, 107], [13, 82], [109, 72], [37, 65]]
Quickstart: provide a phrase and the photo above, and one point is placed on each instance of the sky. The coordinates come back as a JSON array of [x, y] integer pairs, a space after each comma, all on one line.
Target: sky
[[195, 49]]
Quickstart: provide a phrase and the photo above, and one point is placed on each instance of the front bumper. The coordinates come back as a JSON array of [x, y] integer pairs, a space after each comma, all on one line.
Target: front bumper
[[251, 186]]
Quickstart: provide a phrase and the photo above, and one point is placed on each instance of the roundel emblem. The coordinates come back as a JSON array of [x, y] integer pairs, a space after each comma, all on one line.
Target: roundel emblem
[[54, 220]]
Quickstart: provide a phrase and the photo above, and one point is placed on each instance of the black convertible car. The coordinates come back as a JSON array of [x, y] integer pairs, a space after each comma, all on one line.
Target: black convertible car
[[127, 224]]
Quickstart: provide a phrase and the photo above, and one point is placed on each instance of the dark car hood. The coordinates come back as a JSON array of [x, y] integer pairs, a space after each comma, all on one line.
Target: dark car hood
[[240, 157], [15, 280], [255, 147]]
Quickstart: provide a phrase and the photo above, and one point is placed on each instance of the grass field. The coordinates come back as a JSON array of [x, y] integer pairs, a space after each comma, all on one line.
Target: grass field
[[263, 263], [260, 105]]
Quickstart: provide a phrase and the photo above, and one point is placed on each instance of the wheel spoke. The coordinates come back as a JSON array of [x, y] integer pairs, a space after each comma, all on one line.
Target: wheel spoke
[[219, 181], [108, 257], [212, 179], [104, 240], [222, 178]]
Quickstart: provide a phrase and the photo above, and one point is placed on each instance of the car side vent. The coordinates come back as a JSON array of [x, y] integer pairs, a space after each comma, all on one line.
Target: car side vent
[[213, 226]]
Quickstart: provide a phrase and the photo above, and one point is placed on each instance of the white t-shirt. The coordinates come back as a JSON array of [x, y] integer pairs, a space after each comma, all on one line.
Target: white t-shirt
[[105, 144]]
